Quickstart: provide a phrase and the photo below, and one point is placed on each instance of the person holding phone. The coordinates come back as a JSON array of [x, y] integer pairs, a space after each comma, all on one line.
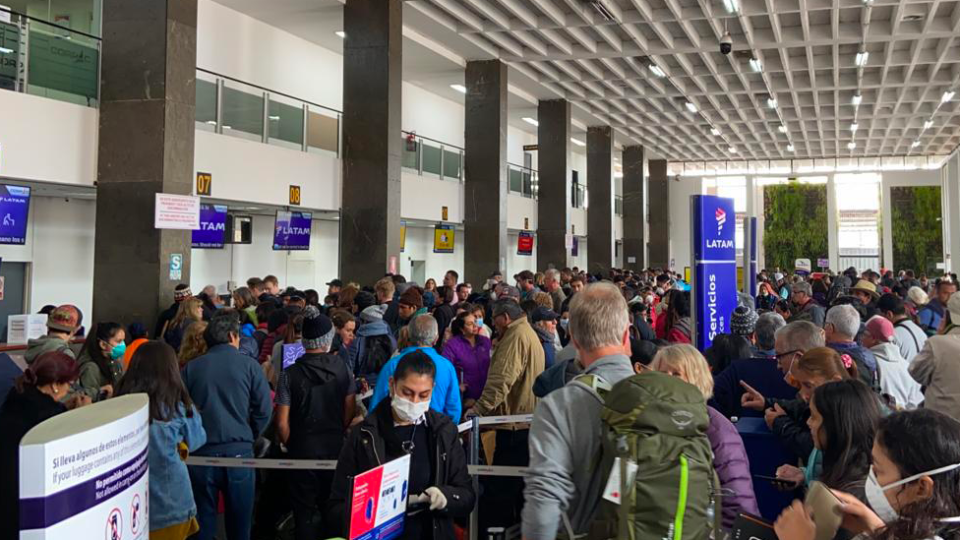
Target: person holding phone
[[843, 421], [912, 488]]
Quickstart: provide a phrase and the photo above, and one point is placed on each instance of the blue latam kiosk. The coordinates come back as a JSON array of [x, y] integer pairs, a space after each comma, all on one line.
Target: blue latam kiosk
[[714, 256]]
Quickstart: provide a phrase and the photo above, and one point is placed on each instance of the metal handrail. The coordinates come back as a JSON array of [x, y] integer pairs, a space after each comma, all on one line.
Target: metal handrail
[[418, 136], [264, 89], [55, 25]]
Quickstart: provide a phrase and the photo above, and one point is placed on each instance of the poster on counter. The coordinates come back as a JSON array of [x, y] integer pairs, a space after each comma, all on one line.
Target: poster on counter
[[525, 243], [443, 238], [378, 503], [84, 473], [713, 222]]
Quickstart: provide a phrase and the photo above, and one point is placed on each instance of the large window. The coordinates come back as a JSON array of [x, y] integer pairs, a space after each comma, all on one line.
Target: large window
[[858, 204], [731, 187]]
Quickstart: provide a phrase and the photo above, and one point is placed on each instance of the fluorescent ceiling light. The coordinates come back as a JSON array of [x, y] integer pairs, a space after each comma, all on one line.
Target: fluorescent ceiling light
[[772, 103], [854, 127], [861, 59], [928, 124], [715, 132], [531, 121], [783, 129], [577, 142], [4, 50], [857, 99], [341, 34], [691, 107], [733, 6], [790, 148], [756, 64], [657, 70], [947, 96], [914, 144], [851, 145], [732, 149], [459, 88]]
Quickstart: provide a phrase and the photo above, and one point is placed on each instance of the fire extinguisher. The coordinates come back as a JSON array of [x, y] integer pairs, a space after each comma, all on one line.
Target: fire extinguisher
[[412, 141]]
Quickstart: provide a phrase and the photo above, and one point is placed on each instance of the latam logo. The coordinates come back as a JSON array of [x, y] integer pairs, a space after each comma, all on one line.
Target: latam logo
[[721, 219]]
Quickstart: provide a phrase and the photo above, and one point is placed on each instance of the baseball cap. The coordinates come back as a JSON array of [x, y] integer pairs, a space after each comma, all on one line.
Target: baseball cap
[[66, 318], [880, 328], [335, 283]]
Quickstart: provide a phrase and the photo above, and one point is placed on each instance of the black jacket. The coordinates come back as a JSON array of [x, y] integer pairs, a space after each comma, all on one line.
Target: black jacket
[[366, 448], [165, 316], [792, 429]]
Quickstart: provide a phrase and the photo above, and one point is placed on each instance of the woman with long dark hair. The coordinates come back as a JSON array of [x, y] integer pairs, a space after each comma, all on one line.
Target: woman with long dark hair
[[678, 317], [101, 361], [175, 430], [912, 488], [34, 398]]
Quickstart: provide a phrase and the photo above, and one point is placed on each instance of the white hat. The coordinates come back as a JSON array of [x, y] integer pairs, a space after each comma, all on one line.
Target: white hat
[[917, 296]]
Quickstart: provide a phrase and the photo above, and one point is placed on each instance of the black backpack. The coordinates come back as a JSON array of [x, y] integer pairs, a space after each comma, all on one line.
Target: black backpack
[[373, 352]]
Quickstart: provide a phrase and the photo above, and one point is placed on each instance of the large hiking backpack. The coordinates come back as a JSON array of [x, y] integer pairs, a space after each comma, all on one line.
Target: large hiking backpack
[[658, 423]]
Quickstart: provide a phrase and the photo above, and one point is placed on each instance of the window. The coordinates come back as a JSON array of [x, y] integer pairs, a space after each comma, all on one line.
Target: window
[[858, 203]]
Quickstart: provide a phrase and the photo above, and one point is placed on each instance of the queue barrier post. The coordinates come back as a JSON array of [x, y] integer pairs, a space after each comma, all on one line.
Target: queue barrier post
[[474, 459]]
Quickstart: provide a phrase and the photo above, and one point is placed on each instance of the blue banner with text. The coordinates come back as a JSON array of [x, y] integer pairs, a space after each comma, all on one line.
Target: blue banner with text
[[715, 267]]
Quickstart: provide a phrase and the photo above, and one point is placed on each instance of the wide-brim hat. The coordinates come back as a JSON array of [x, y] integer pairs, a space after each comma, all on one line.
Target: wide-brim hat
[[867, 287]]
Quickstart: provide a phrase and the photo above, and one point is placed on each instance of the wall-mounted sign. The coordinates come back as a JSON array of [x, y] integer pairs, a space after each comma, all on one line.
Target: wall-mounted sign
[[575, 249], [295, 195], [403, 236], [176, 266], [443, 238], [526, 223], [530, 148], [177, 212], [204, 183], [444, 213], [525, 243]]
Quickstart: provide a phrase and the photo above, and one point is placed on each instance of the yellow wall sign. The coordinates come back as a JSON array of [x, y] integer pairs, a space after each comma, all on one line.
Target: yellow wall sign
[[403, 236], [686, 274], [443, 239], [295, 195], [204, 183], [444, 213]]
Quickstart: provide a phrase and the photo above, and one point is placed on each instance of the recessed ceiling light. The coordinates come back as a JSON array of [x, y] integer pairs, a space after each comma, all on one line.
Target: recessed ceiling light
[[459, 88], [732, 149], [531, 121], [854, 127], [790, 148], [715, 132], [691, 107], [914, 144], [772, 103], [862, 58], [947, 96], [857, 99], [851, 145], [756, 64], [733, 6], [341, 34], [783, 129], [657, 70], [928, 124], [577, 142]]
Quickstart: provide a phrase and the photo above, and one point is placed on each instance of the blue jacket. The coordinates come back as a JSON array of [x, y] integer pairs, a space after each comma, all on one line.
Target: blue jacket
[[233, 397], [760, 373], [446, 390], [171, 497], [930, 316]]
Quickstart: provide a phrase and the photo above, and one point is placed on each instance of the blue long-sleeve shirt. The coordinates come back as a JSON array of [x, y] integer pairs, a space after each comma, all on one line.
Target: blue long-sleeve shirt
[[446, 389]]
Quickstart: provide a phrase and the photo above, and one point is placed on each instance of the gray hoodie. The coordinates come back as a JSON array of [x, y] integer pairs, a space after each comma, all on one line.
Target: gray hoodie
[[564, 436], [45, 344]]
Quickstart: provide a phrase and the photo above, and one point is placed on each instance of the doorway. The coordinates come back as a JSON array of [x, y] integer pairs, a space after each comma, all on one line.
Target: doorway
[[418, 272], [14, 292]]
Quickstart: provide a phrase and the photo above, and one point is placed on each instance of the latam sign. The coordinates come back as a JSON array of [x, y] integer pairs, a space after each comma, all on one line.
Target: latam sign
[[714, 284]]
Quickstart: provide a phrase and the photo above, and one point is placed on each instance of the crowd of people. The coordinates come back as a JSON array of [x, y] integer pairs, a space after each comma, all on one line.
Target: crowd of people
[[849, 372]]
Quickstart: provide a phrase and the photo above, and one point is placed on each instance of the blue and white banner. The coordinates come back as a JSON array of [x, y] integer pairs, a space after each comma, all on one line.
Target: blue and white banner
[[714, 287], [84, 473]]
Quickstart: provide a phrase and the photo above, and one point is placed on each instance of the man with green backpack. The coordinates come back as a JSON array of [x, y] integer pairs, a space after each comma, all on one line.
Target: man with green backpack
[[614, 455]]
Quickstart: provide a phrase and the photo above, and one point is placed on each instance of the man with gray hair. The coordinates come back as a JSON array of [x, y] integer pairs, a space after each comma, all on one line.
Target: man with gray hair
[[423, 333], [517, 360], [801, 294], [841, 329], [565, 435], [316, 401], [551, 283]]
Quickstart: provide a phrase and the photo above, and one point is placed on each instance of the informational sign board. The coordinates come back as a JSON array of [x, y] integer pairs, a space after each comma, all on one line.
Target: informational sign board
[[530, 148], [213, 227], [403, 236], [177, 212], [83, 473], [23, 328], [295, 194], [292, 231], [803, 266], [575, 248], [444, 213], [714, 256], [525, 243], [823, 263], [443, 236], [378, 502], [176, 266], [291, 353], [204, 183]]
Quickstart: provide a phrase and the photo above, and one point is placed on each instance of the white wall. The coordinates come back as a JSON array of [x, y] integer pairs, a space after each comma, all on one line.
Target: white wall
[[891, 179], [680, 239], [519, 208], [303, 269], [419, 247], [47, 140], [59, 249], [516, 140], [950, 176], [423, 197], [431, 115], [518, 263]]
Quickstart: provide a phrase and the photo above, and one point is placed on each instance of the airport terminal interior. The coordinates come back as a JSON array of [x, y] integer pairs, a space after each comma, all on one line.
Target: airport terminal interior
[[479, 269]]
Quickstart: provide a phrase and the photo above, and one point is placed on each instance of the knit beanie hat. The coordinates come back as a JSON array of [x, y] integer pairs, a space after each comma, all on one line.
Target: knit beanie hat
[[315, 326], [743, 322], [373, 313], [412, 297]]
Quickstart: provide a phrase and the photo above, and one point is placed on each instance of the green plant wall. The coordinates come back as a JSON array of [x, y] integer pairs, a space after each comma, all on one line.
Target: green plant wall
[[795, 224], [917, 230]]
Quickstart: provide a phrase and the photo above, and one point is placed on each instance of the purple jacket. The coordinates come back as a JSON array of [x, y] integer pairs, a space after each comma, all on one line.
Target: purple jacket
[[471, 363], [733, 469]]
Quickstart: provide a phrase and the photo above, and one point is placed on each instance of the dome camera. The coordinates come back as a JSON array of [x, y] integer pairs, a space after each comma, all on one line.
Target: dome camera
[[726, 44]]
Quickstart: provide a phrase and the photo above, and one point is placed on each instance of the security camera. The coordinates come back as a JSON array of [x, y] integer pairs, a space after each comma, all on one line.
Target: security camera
[[726, 44]]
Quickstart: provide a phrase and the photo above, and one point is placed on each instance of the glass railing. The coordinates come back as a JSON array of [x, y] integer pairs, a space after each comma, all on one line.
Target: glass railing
[[231, 107], [427, 156], [579, 195], [49, 60], [523, 181], [618, 205]]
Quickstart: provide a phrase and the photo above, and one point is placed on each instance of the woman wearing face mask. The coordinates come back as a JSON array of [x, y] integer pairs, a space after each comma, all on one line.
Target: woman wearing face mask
[[101, 362], [912, 490], [843, 421], [404, 424]]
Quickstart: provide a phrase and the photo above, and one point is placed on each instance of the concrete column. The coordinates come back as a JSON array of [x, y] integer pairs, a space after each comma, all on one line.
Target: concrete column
[[370, 209], [833, 226], [951, 212], [634, 209], [601, 250], [554, 201], [485, 168], [146, 145], [658, 187]]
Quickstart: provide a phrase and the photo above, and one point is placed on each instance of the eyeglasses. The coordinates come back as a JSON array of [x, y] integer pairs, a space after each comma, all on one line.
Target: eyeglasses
[[788, 353]]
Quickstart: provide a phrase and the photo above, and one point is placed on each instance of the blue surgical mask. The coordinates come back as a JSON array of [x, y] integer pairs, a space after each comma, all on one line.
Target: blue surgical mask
[[564, 323], [118, 350], [479, 322]]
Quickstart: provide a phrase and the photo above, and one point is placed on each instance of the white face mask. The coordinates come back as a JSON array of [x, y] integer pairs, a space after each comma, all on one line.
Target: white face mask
[[878, 501], [409, 411]]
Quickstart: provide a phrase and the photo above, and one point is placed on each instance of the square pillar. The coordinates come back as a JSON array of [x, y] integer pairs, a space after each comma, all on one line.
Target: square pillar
[[370, 207], [554, 200], [659, 190], [634, 209], [485, 170], [145, 147], [601, 248]]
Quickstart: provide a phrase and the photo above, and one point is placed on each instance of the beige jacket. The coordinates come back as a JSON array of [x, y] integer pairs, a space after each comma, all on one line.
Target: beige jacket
[[937, 368], [517, 361]]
